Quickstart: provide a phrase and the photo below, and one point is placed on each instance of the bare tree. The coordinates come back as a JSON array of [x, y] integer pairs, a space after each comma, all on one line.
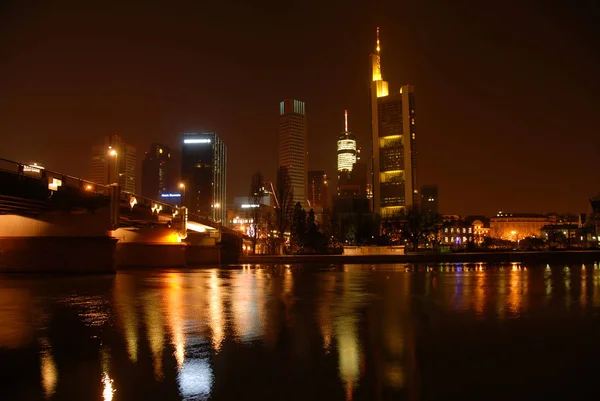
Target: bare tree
[[418, 225], [284, 204], [257, 192]]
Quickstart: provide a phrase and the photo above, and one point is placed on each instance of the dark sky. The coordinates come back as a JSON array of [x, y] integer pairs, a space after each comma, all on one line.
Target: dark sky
[[507, 94]]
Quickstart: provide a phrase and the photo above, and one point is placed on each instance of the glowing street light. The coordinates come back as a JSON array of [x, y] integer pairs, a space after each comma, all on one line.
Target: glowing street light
[[182, 186], [112, 153]]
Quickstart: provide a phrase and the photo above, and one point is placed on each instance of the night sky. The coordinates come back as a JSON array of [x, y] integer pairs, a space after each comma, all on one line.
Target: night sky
[[508, 95]]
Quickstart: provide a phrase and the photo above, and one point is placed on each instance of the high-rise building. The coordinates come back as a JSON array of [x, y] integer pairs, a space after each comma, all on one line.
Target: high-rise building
[[318, 190], [393, 132], [203, 174], [346, 148], [292, 146], [429, 198], [159, 172], [114, 161]]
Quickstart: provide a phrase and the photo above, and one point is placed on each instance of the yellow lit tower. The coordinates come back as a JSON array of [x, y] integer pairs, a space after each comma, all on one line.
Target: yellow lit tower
[[394, 157]]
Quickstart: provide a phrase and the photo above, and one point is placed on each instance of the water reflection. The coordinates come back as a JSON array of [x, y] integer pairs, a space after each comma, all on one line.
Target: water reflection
[[48, 371], [277, 332]]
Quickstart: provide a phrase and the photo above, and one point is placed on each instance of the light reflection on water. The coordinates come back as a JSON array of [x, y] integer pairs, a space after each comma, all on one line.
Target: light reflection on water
[[191, 330]]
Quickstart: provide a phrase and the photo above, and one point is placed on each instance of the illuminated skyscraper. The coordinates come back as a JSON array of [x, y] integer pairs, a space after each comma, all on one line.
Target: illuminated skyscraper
[[203, 172], [114, 161], [292, 146], [393, 132], [346, 148]]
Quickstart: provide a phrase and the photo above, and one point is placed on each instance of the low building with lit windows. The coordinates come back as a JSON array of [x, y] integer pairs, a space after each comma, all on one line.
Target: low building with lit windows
[[456, 234]]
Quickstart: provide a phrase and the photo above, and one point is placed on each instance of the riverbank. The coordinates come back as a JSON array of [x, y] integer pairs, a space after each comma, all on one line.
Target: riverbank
[[550, 257]]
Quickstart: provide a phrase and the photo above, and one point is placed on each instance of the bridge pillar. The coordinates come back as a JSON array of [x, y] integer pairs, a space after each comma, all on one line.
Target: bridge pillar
[[180, 221], [115, 205]]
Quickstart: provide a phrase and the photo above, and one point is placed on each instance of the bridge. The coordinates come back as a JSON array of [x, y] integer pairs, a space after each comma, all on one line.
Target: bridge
[[52, 221]]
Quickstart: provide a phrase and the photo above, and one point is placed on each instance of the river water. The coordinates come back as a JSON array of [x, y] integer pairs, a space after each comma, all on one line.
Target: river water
[[352, 332]]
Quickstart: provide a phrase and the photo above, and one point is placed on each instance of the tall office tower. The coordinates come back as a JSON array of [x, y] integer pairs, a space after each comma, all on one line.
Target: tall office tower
[[159, 172], [429, 198], [114, 161], [346, 148], [393, 132], [318, 189], [292, 145], [203, 173]]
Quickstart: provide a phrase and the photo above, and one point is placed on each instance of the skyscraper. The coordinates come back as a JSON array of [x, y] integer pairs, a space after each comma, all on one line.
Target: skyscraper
[[393, 132], [346, 148], [318, 189], [114, 161], [429, 198], [159, 171], [203, 174], [292, 146]]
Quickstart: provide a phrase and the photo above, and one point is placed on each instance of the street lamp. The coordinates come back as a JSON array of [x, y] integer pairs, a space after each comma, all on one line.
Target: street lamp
[[182, 186], [112, 153]]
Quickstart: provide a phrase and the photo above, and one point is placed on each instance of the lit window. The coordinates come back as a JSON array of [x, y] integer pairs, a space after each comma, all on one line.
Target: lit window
[[452, 239], [464, 230], [470, 230], [445, 239], [446, 229], [464, 239]]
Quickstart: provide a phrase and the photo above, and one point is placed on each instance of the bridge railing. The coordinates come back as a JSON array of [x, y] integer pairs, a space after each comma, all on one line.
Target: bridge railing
[[51, 177], [34, 171]]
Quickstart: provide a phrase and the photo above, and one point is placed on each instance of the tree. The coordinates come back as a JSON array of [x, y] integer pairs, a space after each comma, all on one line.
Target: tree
[[284, 194], [418, 225], [315, 240], [257, 192], [298, 232]]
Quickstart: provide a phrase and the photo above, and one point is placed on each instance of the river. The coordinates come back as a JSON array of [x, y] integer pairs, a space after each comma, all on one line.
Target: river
[[312, 332]]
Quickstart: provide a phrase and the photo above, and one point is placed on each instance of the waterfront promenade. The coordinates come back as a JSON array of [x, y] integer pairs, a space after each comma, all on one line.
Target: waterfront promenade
[[550, 257]]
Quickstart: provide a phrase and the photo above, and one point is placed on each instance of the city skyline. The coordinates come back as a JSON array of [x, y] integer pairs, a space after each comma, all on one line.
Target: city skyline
[[488, 112]]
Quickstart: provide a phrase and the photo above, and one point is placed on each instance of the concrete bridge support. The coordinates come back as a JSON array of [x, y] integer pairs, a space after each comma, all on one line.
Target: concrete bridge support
[[57, 242]]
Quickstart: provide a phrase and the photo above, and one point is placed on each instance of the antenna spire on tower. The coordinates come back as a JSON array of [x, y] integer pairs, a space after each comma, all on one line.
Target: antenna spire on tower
[[378, 47], [345, 120]]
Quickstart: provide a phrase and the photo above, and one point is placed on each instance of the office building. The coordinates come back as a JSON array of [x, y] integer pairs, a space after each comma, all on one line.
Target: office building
[[346, 148], [114, 161], [160, 172], [393, 132], [293, 147], [354, 183], [318, 190], [203, 174], [429, 198]]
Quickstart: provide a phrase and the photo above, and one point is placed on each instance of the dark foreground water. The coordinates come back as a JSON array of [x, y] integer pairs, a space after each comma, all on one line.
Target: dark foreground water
[[382, 332]]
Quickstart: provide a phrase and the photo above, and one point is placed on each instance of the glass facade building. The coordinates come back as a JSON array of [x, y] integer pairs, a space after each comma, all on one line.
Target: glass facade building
[[203, 172], [292, 146]]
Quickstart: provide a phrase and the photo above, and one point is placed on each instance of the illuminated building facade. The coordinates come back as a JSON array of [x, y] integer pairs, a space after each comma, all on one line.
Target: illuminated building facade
[[160, 174], [318, 190], [429, 198], [516, 226], [203, 172], [346, 148], [114, 161], [393, 132], [292, 146]]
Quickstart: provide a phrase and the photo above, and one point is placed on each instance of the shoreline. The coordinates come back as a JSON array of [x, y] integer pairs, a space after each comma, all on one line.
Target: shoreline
[[540, 257]]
